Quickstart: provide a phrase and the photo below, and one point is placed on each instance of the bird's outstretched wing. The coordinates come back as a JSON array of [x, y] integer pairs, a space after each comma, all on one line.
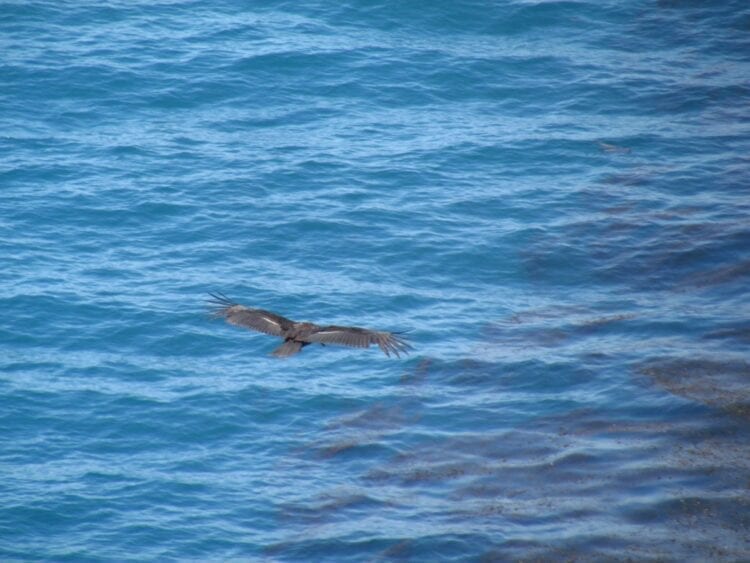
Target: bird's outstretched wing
[[254, 319], [389, 342]]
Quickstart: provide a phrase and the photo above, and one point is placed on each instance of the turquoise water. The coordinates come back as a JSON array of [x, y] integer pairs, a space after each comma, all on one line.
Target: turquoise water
[[551, 197]]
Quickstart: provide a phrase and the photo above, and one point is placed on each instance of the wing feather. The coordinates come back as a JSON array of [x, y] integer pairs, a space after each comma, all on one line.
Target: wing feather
[[276, 325], [389, 342], [254, 319]]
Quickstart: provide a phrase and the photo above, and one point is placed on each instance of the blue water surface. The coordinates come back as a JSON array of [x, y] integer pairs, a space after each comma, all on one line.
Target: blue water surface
[[552, 197]]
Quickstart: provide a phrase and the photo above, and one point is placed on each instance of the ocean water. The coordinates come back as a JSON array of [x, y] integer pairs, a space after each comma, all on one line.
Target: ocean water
[[551, 197]]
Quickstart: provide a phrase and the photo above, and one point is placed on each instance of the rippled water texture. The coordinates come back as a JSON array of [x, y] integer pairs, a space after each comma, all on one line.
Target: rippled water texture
[[551, 197]]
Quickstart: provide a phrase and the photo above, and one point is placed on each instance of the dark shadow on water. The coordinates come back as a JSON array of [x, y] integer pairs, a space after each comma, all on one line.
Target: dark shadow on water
[[720, 384], [732, 273], [739, 332], [418, 375], [535, 329], [586, 484]]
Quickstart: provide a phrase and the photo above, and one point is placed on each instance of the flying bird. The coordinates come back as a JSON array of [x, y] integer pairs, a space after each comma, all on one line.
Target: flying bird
[[297, 335]]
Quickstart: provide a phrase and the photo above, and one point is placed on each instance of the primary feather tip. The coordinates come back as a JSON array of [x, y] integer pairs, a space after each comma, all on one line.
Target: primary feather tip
[[219, 304]]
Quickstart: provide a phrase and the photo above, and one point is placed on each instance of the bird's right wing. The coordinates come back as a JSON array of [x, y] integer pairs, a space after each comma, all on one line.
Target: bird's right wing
[[254, 319], [356, 337]]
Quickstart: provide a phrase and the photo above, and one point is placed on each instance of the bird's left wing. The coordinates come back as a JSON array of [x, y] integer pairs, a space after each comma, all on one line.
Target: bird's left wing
[[254, 319], [389, 342]]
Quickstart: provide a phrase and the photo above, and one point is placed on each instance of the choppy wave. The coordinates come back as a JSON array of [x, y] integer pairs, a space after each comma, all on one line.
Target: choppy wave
[[549, 196]]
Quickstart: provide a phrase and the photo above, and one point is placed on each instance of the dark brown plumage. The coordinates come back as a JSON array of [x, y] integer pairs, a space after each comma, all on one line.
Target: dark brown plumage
[[297, 335]]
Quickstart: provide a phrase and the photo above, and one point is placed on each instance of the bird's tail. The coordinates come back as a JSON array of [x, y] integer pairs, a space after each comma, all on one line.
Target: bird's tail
[[288, 348]]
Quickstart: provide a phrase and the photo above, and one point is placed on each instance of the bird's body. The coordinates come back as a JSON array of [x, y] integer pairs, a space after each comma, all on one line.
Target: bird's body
[[297, 335]]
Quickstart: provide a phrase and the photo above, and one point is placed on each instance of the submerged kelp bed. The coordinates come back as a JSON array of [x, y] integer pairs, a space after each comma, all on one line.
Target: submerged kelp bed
[[627, 481], [721, 384]]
